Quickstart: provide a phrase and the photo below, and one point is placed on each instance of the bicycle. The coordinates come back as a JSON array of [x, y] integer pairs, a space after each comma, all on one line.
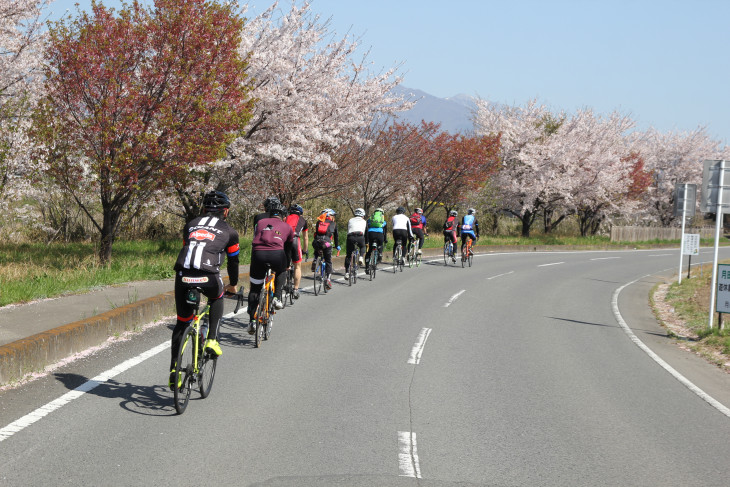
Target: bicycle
[[449, 252], [194, 364], [288, 290], [354, 263], [320, 273], [398, 257], [373, 262], [263, 317], [467, 256], [414, 258]]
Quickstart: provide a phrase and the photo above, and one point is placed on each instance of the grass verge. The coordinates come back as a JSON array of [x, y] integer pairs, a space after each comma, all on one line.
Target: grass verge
[[683, 309]]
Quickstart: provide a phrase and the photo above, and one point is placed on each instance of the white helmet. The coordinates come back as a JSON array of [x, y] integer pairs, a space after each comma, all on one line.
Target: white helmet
[[359, 212]]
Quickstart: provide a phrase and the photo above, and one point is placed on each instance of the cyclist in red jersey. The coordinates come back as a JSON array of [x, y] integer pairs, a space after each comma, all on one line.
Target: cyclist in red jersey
[[301, 242]]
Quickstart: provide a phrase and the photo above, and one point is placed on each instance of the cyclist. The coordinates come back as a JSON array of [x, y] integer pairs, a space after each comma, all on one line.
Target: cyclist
[[272, 244], [324, 232], [269, 203], [418, 226], [356, 228], [450, 229], [469, 227], [402, 229], [205, 240], [377, 235], [301, 233]]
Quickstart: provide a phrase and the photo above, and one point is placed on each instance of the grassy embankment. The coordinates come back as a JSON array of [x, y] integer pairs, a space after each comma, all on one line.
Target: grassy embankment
[[35, 271], [689, 315]]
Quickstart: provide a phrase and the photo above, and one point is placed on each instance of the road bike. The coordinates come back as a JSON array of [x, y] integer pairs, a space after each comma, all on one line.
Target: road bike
[[195, 364], [264, 316], [414, 258], [354, 264], [467, 254], [373, 262], [398, 257], [320, 273]]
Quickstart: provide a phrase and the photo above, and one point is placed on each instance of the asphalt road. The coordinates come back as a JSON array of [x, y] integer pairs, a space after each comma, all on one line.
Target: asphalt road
[[513, 372]]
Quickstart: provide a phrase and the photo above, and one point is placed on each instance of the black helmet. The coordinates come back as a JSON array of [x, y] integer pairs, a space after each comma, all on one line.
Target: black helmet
[[296, 209], [277, 209], [400, 210], [216, 201], [270, 202]]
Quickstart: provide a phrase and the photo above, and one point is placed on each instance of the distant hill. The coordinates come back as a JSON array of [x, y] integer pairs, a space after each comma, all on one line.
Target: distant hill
[[453, 113]]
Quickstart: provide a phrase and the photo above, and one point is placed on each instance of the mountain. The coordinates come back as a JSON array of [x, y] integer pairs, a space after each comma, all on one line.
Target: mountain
[[454, 113]]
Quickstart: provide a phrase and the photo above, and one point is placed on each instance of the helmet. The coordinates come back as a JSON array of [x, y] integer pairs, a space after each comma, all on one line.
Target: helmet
[[359, 212], [400, 210], [378, 209], [270, 201], [326, 211], [453, 213], [471, 211], [277, 209], [296, 209], [216, 200], [331, 212], [419, 211]]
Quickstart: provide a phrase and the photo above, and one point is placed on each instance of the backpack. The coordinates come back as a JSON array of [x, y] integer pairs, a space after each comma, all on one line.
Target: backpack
[[322, 227], [376, 220], [449, 224], [415, 219]]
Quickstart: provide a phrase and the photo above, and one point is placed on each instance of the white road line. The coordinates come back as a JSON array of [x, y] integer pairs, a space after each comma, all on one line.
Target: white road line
[[500, 275], [87, 386], [417, 350], [659, 255], [554, 263], [454, 297], [690, 385], [43, 411], [408, 455], [605, 258]]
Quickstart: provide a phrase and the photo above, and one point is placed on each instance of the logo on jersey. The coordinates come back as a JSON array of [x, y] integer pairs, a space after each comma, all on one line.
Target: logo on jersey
[[201, 235], [194, 280]]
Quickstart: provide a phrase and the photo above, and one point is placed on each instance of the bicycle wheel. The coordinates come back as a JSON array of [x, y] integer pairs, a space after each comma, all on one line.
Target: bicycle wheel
[[288, 291], [400, 259], [185, 367], [354, 267], [207, 372], [262, 316], [418, 260], [373, 263], [239, 301], [463, 258], [269, 321], [470, 256], [323, 274], [411, 258], [317, 276], [446, 254]]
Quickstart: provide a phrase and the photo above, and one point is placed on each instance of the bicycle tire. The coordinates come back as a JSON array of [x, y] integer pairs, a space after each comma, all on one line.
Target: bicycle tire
[[239, 301], [395, 259], [261, 316], [317, 280], [373, 263], [185, 366], [400, 259], [446, 254], [290, 288], [355, 267], [411, 259], [471, 257], [323, 272], [419, 258], [269, 322]]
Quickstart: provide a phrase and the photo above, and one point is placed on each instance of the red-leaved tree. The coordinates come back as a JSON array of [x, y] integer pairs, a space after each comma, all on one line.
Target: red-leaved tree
[[135, 99]]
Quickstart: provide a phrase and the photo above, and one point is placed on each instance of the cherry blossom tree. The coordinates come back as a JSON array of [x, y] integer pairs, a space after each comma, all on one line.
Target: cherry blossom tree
[[672, 157], [20, 62], [527, 178], [135, 100]]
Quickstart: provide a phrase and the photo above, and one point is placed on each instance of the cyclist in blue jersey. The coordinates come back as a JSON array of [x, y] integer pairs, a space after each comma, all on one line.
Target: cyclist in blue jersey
[[469, 227]]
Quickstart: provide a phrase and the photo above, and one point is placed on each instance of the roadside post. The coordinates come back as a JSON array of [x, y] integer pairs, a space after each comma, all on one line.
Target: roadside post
[[685, 201], [714, 192]]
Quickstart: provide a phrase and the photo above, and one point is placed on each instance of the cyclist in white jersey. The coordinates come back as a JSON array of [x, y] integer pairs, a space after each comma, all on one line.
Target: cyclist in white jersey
[[402, 229], [356, 228]]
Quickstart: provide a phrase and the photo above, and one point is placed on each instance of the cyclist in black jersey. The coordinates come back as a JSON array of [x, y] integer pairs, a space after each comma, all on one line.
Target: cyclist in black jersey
[[206, 239]]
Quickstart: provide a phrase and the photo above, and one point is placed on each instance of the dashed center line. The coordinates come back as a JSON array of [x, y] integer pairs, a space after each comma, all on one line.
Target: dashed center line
[[605, 258], [553, 263], [454, 297], [417, 350], [408, 455], [500, 275]]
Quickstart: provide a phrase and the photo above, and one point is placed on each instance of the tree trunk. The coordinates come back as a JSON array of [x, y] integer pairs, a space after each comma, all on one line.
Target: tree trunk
[[108, 234]]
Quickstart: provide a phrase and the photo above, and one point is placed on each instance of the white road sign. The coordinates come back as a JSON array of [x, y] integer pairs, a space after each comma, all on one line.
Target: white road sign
[[691, 244], [722, 303]]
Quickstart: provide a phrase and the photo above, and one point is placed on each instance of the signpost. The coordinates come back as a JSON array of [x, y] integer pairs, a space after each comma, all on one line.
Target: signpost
[[685, 201], [714, 192], [691, 247]]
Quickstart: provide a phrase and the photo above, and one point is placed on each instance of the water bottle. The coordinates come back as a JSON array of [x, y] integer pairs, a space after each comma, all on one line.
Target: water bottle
[[204, 330]]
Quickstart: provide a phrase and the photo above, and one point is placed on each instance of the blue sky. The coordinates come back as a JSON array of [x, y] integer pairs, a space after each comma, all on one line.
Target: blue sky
[[664, 62]]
